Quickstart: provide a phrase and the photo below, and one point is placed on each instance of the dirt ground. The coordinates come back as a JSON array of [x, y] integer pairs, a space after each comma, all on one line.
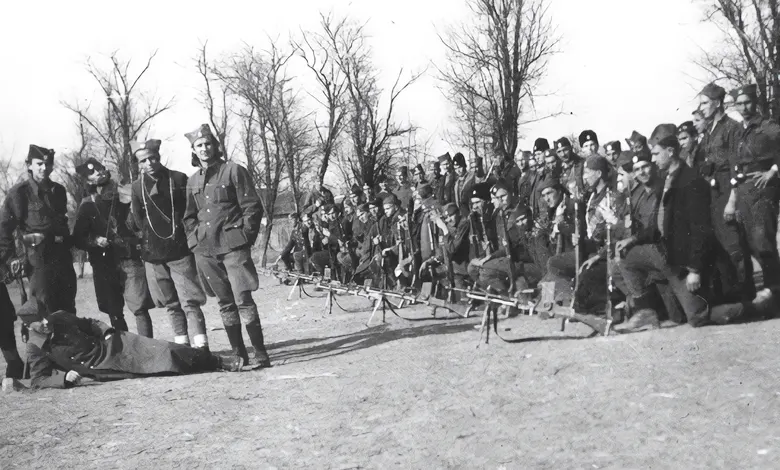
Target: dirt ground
[[419, 394]]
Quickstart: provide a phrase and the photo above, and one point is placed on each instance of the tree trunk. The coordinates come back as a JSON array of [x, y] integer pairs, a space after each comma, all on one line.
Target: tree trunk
[[265, 242]]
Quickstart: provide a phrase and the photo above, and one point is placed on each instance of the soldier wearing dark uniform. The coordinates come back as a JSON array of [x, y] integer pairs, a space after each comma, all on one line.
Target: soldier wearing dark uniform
[[571, 164], [484, 239], [222, 221], [689, 144], [389, 226], [296, 253], [105, 229], [757, 185], [511, 223], [504, 170], [445, 189], [37, 207], [464, 183], [456, 244], [159, 200], [14, 366], [404, 191], [330, 237], [419, 176], [365, 242], [384, 187], [612, 151], [638, 144], [719, 150]]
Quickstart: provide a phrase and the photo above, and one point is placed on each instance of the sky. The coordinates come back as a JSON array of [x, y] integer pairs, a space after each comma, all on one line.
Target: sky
[[622, 65]]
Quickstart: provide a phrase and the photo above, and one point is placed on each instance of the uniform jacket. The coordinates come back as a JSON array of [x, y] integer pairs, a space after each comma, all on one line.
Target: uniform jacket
[[223, 210], [103, 215], [457, 246], [719, 149], [81, 345], [445, 192], [155, 214], [506, 226], [32, 209], [688, 232], [299, 241], [461, 192]]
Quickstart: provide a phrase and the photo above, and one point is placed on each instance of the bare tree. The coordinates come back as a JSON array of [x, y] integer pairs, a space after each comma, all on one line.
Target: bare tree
[[274, 134], [127, 113], [750, 49], [215, 98], [11, 172], [320, 56], [371, 129], [494, 61]]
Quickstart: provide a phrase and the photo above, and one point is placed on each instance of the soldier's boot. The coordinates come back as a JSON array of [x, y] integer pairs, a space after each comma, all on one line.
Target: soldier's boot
[[237, 342], [143, 323], [734, 313], [118, 321], [644, 317], [260, 355], [230, 363]]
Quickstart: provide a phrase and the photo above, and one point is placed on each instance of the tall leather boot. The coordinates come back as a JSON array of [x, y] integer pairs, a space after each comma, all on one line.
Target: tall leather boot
[[143, 323], [237, 342], [260, 355], [118, 321]]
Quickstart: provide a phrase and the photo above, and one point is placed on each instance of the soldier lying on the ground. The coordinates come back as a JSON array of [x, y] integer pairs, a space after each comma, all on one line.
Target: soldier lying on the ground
[[64, 348]]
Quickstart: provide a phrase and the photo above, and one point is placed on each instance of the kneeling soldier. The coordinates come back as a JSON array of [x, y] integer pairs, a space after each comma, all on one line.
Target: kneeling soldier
[[222, 221]]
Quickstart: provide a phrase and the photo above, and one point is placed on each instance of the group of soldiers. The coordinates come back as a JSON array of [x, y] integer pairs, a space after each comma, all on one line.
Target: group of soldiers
[[164, 241], [667, 227]]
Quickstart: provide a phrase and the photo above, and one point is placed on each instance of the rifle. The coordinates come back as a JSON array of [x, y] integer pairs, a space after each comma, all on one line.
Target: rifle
[[609, 263], [509, 252], [447, 265], [475, 241]]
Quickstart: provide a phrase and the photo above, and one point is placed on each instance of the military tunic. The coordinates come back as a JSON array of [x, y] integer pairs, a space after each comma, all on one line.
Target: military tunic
[[34, 208]]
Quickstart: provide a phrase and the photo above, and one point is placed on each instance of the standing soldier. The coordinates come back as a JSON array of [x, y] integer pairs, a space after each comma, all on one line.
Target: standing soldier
[[689, 143], [38, 208], [572, 165], [757, 186], [14, 366], [445, 190], [105, 229], [222, 220], [612, 150], [404, 191], [719, 148], [159, 199], [464, 184]]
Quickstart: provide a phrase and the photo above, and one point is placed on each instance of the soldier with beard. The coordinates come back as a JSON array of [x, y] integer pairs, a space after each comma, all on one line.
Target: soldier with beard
[[105, 229]]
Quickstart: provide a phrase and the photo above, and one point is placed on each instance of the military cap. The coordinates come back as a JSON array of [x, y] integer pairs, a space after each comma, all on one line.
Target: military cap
[[562, 143], [445, 158], [636, 138], [613, 146], [419, 168], [597, 162], [375, 202], [749, 90], [459, 160], [203, 131], [500, 184], [713, 92], [664, 135], [587, 136], [363, 207], [391, 199], [356, 190], [451, 209], [687, 127], [425, 191], [152, 145], [89, 167], [636, 157], [381, 179], [553, 183], [541, 144], [404, 170], [481, 191], [32, 311], [733, 94], [40, 153]]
